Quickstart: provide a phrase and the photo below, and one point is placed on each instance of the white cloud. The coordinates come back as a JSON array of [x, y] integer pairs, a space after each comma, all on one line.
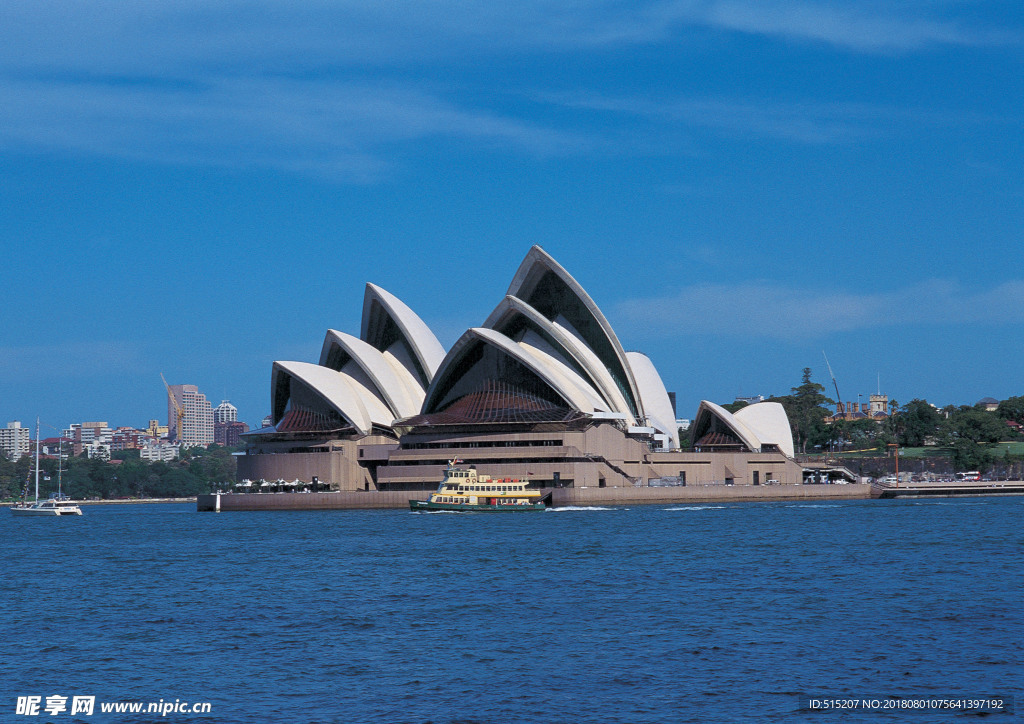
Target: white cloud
[[309, 87], [185, 36], [764, 309], [325, 127], [859, 26], [802, 122]]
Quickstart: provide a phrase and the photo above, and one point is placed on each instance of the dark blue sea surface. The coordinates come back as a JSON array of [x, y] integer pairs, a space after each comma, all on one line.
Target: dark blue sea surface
[[669, 613]]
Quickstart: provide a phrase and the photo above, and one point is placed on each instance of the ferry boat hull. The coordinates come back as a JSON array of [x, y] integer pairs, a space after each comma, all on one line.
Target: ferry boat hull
[[463, 490], [427, 505]]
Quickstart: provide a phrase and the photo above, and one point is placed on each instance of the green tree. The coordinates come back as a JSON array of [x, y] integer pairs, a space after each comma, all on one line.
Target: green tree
[[1011, 408], [977, 425], [969, 455], [862, 433], [735, 405], [806, 412], [918, 422]]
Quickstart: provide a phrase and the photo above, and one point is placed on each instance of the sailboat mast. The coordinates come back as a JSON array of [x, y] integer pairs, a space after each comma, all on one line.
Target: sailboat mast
[[37, 459], [60, 456]]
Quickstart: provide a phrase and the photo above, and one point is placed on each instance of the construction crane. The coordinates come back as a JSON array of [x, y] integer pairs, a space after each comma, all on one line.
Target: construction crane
[[839, 400], [178, 411]]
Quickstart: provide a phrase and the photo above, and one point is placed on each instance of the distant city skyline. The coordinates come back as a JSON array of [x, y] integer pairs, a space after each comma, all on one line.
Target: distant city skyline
[[199, 192]]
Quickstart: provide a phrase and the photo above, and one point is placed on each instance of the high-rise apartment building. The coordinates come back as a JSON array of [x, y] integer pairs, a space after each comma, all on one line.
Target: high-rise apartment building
[[197, 416], [225, 412], [15, 440]]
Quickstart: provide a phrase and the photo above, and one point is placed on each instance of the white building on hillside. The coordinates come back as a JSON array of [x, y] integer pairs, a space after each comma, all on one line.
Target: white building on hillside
[[15, 440], [161, 451]]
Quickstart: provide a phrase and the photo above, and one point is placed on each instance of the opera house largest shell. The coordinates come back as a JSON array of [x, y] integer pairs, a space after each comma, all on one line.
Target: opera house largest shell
[[542, 388]]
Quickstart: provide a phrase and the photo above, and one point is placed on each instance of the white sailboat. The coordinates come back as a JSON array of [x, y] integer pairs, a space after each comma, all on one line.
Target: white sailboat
[[52, 506]]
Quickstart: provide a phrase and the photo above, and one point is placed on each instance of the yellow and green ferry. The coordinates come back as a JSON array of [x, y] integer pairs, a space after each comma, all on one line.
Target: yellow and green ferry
[[462, 489]]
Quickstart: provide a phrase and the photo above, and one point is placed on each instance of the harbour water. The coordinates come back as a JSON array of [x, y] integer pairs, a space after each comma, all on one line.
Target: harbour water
[[660, 613]]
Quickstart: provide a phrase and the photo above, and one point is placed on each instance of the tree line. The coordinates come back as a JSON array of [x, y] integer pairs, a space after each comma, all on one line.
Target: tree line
[[198, 471]]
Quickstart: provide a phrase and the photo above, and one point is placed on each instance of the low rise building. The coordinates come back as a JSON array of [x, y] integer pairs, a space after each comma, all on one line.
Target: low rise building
[[158, 451]]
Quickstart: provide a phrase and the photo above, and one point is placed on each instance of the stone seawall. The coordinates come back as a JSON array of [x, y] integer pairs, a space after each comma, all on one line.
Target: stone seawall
[[348, 500], [707, 494], [560, 496], [949, 490]]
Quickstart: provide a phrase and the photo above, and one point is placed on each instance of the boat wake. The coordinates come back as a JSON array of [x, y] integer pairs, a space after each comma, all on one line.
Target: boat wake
[[578, 508], [698, 507]]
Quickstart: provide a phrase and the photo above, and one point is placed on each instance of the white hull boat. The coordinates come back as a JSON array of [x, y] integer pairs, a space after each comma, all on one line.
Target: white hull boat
[[50, 507], [47, 507]]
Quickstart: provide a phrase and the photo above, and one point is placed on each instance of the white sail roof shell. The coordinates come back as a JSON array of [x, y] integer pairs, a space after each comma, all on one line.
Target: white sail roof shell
[[755, 425], [768, 420], [424, 345], [544, 366], [744, 433], [393, 382], [656, 402], [332, 387], [530, 271], [570, 347]]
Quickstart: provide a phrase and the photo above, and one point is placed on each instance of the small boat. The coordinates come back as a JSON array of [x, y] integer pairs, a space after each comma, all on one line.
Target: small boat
[[52, 506], [58, 505], [462, 489]]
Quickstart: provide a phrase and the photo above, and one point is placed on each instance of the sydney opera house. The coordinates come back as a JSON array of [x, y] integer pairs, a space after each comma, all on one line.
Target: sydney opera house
[[542, 389]]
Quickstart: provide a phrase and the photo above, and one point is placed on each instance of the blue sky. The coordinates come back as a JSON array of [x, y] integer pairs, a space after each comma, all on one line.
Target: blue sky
[[201, 188]]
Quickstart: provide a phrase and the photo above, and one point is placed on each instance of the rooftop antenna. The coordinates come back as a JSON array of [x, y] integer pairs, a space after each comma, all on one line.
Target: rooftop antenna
[[839, 399]]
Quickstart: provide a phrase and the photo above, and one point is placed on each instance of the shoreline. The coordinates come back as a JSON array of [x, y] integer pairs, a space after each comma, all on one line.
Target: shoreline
[[130, 501]]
